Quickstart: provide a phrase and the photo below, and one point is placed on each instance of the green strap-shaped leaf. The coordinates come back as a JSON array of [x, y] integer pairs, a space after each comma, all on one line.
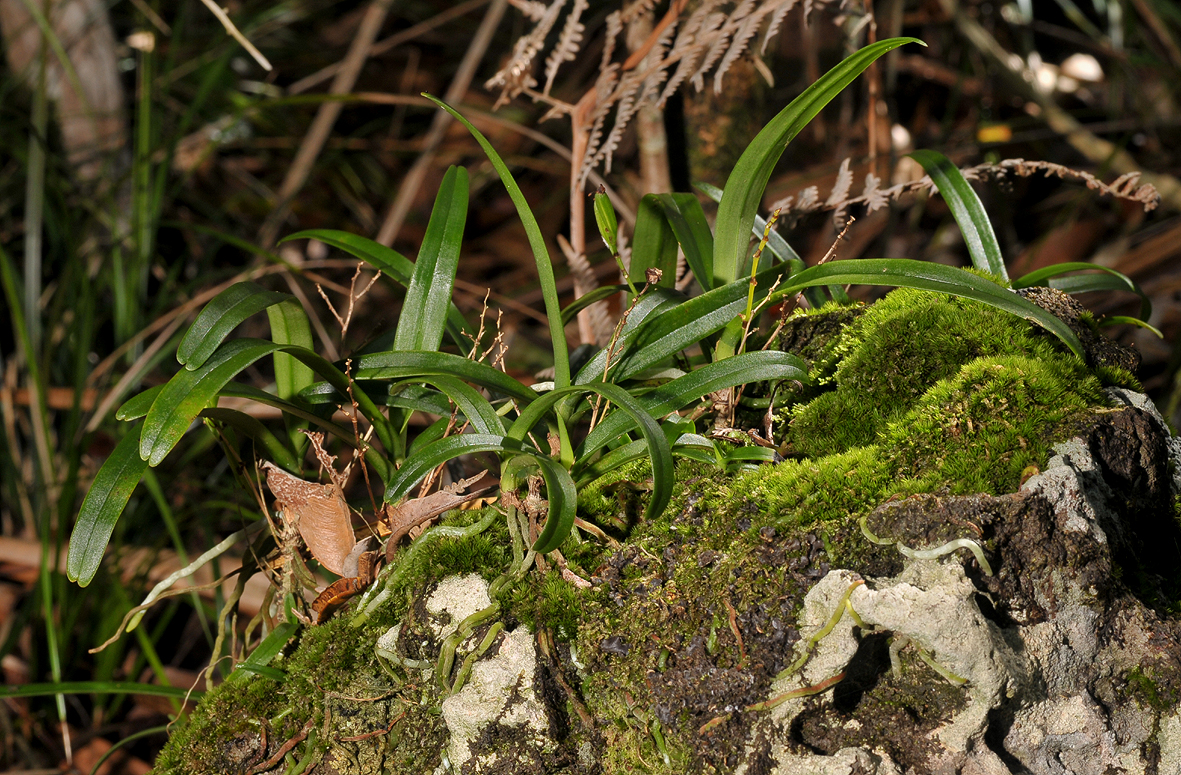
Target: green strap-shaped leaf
[[672, 396], [264, 652], [416, 397], [1110, 280], [393, 265], [290, 325], [704, 315], [469, 402], [779, 248], [560, 490], [744, 188], [239, 390], [409, 365], [655, 302], [688, 223], [967, 210], [221, 316], [272, 449], [104, 502], [571, 310], [188, 392], [421, 323], [545, 269], [138, 405], [658, 446], [654, 245]]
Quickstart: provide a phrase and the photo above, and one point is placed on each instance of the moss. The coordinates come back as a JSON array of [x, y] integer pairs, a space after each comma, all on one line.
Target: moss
[[894, 353], [978, 431], [549, 600]]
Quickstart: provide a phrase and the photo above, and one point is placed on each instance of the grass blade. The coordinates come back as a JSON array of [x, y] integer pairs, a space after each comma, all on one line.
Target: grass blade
[[744, 188], [104, 502], [100, 687], [967, 210], [421, 323]]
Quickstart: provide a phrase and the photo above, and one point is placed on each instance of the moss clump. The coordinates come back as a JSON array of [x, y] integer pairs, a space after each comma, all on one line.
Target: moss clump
[[894, 353], [693, 618], [547, 600]]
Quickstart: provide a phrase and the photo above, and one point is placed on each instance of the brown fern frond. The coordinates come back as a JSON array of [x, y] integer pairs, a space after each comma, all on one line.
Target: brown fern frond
[[614, 27], [776, 21], [568, 43], [533, 10], [719, 37], [873, 197], [632, 10], [517, 75], [742, 35], [840, 189]]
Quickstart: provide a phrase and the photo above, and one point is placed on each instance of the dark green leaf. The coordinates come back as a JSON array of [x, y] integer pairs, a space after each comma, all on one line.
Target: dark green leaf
[[1110, 281], [688, 223], [967, 210], [137, 406], [271, 646], [545, 270], [220, 316], [585, 300], [393, 265], [672, 396], [290, 325], [420, 325], [654, 245], [188, 392], [744, 188], [410, 365], [658, 446], [105, 501], [269, 444]]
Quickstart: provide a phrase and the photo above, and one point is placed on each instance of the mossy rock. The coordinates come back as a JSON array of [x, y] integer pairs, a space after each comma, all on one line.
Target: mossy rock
[[756, 624]]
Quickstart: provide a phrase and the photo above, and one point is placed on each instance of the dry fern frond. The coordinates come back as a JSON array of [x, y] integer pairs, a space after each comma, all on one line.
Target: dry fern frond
[[742, 35], [533, 10], [707, 41], [637, 8], [775, 23], [567, 48], [517, 75], [873, 197]]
